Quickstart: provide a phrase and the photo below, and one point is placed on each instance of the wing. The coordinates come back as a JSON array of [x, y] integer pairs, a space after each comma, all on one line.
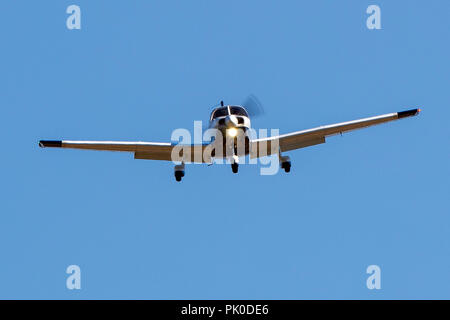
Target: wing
[[141, 150], [310, 137]]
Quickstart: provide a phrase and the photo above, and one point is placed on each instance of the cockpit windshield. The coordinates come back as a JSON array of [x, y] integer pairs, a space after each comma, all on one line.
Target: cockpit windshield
[[219, 112], [239, 111]]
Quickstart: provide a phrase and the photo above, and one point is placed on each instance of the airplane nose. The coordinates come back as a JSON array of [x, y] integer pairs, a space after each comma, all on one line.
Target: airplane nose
[[231, 121]]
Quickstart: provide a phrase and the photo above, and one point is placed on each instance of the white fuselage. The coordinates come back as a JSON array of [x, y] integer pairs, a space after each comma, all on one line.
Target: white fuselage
[[232, 124]]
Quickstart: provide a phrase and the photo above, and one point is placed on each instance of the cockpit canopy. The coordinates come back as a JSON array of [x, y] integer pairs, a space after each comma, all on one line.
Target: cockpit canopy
[[225, 111], [219, 112], [238, 111]]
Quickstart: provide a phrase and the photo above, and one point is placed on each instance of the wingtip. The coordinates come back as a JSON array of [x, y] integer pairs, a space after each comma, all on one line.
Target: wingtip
[[408, 113], [50, 143]]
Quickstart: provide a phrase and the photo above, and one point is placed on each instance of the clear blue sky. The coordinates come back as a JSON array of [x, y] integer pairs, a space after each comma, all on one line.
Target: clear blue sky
[[139, 69]]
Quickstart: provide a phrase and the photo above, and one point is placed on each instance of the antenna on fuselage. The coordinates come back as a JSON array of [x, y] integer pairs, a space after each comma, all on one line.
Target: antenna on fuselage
[[221, 103]]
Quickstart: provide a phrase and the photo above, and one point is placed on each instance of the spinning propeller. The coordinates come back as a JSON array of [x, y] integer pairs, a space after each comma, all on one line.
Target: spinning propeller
[[253, 106]]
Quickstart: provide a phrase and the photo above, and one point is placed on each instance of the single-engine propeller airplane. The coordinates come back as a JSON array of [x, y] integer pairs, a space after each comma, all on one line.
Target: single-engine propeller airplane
[[230, 122]]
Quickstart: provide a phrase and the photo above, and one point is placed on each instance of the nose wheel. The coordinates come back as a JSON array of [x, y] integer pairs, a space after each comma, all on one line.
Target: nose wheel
[[235, 167]]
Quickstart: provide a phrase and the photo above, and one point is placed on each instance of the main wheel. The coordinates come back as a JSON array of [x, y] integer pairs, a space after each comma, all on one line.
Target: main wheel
[[179, 175], [235, 167], [286, 166]]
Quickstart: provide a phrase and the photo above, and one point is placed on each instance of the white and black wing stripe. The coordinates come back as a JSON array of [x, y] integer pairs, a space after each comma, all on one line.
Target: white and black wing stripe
[[141, 150], [310, 137]]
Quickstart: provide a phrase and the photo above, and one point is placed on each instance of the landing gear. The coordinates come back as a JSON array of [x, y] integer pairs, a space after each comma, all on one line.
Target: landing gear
[[179, 175], [179, 172], [285, 163], [235, 164], [286, 166]]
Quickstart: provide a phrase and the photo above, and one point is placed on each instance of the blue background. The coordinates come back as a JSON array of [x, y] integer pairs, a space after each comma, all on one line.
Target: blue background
[[139, 69]]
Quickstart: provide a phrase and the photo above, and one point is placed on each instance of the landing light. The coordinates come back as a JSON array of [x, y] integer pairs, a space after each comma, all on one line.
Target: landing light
[[232, 132]]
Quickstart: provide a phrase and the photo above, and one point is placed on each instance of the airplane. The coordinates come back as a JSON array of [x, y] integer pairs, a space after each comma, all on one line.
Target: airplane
[[230, 122]]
